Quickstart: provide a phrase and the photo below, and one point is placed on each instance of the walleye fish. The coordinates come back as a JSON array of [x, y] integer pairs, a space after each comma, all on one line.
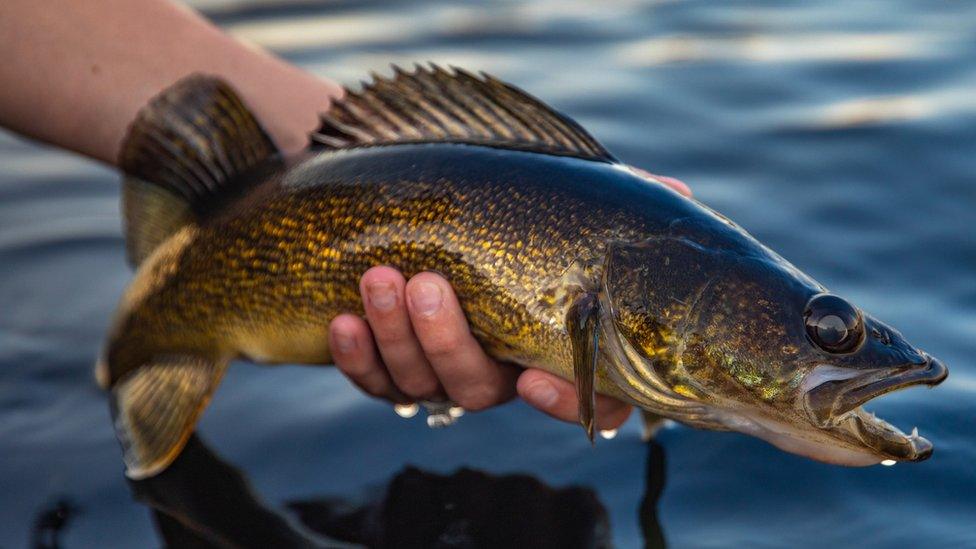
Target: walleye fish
[[562, 258]]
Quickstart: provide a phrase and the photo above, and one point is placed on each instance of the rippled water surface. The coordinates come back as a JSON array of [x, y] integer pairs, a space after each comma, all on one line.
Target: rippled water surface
[[841, 134]]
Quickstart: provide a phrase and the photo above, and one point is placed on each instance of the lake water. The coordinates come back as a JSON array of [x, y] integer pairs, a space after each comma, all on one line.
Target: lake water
[[842, 134]]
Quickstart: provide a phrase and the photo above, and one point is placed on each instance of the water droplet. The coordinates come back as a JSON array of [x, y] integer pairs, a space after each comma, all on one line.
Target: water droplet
[[406, 410], [888, 462], [438, 421], [608, 433]]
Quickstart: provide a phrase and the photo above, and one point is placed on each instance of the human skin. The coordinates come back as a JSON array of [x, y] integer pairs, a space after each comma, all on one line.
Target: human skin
[[76, 73]]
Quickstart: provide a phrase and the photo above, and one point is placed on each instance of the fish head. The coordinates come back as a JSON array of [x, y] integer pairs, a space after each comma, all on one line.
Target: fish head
[[725, 340]]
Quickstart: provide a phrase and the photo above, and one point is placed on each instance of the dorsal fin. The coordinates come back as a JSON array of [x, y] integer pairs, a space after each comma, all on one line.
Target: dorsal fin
[[433, 105], [183, 157]]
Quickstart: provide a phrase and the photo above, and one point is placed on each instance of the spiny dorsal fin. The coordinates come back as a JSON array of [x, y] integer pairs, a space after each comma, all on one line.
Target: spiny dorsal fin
[[433, 105], [184, 155]]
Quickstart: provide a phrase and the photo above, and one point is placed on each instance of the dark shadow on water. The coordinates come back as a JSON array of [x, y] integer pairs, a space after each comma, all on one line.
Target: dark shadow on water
[[203, 501], [50, 522], [655, 472]]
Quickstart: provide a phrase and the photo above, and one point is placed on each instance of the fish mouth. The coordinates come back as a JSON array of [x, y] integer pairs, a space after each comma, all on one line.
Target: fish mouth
[[837, 406]]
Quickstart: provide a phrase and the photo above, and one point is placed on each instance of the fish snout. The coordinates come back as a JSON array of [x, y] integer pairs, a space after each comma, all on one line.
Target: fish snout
[[834, 400], [933, 371]]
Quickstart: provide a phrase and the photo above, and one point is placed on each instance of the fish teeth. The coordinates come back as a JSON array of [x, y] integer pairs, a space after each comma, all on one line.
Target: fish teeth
[[914, 432]]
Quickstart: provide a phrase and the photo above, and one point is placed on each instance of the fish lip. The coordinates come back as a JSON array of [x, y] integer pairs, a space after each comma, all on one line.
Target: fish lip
[[862, 389], [931, 372], [833, 399], [885, 439], [837, 405]]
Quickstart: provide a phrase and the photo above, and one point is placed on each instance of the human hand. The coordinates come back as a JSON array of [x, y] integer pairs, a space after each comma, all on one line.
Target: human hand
[[415, 344]]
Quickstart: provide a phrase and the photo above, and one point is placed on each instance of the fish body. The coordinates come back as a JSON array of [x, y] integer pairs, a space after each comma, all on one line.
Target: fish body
[[562, 259], [517, 233]]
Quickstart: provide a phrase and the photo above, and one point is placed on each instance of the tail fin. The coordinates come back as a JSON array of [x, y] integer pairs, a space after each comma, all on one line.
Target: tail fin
[[183, 157], [156, 407]]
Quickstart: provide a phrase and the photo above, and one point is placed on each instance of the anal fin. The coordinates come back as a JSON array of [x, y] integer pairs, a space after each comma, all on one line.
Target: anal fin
[[651, 423], [582, 322], [156, 408]]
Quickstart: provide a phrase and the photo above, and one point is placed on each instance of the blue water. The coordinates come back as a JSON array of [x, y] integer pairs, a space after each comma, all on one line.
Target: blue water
[[842, 134]]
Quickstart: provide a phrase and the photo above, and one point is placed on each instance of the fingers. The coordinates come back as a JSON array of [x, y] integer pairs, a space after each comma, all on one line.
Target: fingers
[[557, 397], [471, 379], [424, 348], [675, 184], [353, 352], [382, 290]]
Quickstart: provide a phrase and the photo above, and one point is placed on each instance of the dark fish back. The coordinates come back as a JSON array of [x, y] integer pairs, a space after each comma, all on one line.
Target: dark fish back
[[505, 227]]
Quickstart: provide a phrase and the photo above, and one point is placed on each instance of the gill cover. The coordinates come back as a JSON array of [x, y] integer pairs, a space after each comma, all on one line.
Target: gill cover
[[651, 297]]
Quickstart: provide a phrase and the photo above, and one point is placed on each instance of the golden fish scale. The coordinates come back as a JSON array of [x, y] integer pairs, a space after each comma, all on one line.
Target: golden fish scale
[[286, 260], [282, 264]]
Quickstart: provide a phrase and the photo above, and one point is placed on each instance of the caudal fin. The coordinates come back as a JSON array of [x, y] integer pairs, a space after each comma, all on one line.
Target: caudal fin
[[156, 408], [185, 155]]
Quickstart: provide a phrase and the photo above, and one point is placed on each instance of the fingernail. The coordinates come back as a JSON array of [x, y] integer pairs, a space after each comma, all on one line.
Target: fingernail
[[672, 182], [542, 394], [345, 343], [382, 295], [426, 298]]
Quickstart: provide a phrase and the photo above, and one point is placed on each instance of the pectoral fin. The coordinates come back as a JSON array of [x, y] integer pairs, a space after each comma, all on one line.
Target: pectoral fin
[[582, 321], [156, 407], [651, 423]]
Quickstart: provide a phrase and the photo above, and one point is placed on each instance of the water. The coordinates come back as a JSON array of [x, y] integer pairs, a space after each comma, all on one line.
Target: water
[[841, 134]]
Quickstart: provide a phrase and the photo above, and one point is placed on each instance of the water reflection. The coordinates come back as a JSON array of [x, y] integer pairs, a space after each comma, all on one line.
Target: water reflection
[[50, 523], [787, 48], [203, 501]]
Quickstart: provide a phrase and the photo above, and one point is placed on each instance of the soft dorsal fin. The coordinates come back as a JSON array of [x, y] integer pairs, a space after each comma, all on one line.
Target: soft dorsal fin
[[433, 105], [183, 157]]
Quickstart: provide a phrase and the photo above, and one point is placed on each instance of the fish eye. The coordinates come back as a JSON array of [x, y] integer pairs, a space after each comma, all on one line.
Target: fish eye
[[833, 324]]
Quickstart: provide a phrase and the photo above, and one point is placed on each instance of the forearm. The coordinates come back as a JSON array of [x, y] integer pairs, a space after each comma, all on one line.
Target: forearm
[[75, 73]]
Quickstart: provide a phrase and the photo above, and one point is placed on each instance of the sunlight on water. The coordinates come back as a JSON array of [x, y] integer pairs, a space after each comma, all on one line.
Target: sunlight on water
[[867, 111], [331, 31], [770, 48], [380, 63]]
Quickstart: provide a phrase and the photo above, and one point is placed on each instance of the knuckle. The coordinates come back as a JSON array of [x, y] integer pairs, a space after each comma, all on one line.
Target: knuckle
[[389, 337], [443, 345], [423, 388], [374, 385], [353, 369], [476, 400], [374, 391]]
